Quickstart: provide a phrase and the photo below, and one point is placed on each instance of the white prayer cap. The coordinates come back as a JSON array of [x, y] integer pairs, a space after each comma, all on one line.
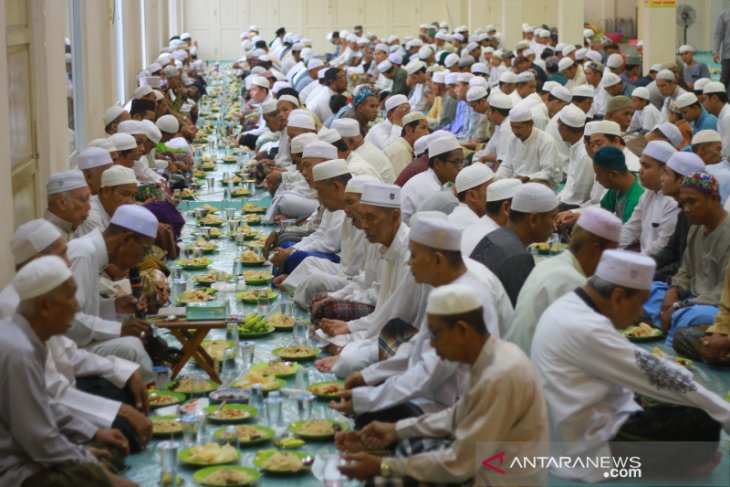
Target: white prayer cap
[[278, 85], [328, 135], [584, 90], [41, 276], [299, 142], [92, 157], [479, 68], [415, 66], [436, 233], [508, 77], [471, 46], [476, 93], [131, 127], [442, 145], [314, 63], [594, 56], [503, 189], [168, 124], [31, 238], [154, 68], [610, 79], [414, 43], [567, 49], [686, 99], [520, 114], [626, 269], [123, 141], [686, 48], [580, 54], [438, 77], [665, 74], [384, 66], [499, 100], [590, 128], [103, 143], [685, 163], [412, 117], [185, 36], [297, 46], [111, 114], [497, 53], [329, 169], [346, 127], [137, 219], [291, 99], [525, 76], [381, 47], [461, 28], [641, 92], [356, 183], [606, 127], [565, 63], [424, 53], [534, 198], [158, 95], [464, 77], [254, 28], [671, 132], [395, 58], [572, 116], [153, 133], [479, 81], [269, 106], [300, 119], [320, 150], [655, 67], [714, 87], [562, 93], [472, 176], [700, 84], [544, 33], [451, 59], [395, 101], [452, 299], [258, 81], [451, 78], [601, 223], [526, 28], [381, 194], [662, 150], [142, 91], [614, 61], [490, 28], [421, 145], [705, 136], [116, 176], [588, 33], [164, 58], [64, 181]]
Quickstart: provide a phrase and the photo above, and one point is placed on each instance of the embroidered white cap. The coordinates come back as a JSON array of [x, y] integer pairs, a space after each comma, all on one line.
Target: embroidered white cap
[[123, 141], [452, 299], [472, 176], [607, 127], [381, 194], [299, 142], [31, 238], [137, 219], [671, 132], [665, 75], [395, 101], [412, 117], [584, 90], [600, 222], [565, 63], [640, 92], [685, 163], [503, 189], [662, 150], [572, 116], [356, 183], [610, 79], [116, 176], [442, 145], [714, 87], [520, 114], [626, 269], [153, 133], [686, 99], [499, 100], [436, 233], [534, 198], [300, 119], [92, 157], [329, 169], [131, 127], [476, 93], [321, 150], [346, 127], [562, 93], [328, 135], [614, 60], [64, 181], [706, 136], [41, 276]]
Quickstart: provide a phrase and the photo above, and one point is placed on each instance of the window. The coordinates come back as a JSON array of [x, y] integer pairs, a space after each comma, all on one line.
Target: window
[[119, 33], [74, 78]]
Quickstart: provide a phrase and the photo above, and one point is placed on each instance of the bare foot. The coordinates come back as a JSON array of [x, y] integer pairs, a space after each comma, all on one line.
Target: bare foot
[[325, 364]]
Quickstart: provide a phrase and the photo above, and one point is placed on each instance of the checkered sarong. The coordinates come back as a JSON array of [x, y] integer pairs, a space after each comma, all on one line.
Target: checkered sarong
[[339, 310], [407, 448], [395, 333]]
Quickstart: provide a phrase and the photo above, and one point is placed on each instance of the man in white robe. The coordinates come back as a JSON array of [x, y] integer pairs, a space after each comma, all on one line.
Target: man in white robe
[[580, 175], [68, 201], [384, 133], [471, 190], [118, 187], [349, 130], [400, 151]]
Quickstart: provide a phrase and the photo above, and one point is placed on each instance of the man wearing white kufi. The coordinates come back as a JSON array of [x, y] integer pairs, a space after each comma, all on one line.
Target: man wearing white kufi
[[132, 230], [118, 187], [93, 161], [596, 230], [398, 297], [471, 190], [314, 276], [414, 380], [357, 165], [499, 199], [65, 360], [503, 405], [445, 159], [588, 372], [384, 133], [68, 201], [143, 167], [349, 130], [400, 151], [35, 431], [580, 175], [530, 154], [499, 107]]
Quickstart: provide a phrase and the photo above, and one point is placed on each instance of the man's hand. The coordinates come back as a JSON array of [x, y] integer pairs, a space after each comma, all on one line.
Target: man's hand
[[140, 423], [126, 304], [325, 364], [670, 298], [349, 441], [354, 380], [136, 387], [279, 280], [135, 327], [378, 435], [716, 57], [100, 453], [524, 179], [270, 242], [666, 319], [400, 112], [116, 480], [280, 256], [113, 438], [345, 405], [334, 327], [566, 218], [315, 305], [365, 466]]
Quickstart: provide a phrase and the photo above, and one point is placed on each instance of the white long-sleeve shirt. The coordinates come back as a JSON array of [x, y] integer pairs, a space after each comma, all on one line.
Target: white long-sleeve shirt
[[382, 134], [399, 153], [474, 234], [358, 166], [327, 237], [98, 218], [562, 147], [495, 147], [320, 104], [578, 185], [535, 158], [590, 373], [652, 222], [463, 216], [645, 120], [723, 127], [416, 190], [365, 286], [378, 160]]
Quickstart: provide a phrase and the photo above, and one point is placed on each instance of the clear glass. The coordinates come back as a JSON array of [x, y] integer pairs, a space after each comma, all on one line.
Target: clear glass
[[162, 376], [304, 405], [248, 349], [168, 461], [273, 410], [300, 331]]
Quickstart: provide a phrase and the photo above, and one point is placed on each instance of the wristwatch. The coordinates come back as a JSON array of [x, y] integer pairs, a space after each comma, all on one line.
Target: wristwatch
[[385, 470], [677, 305]]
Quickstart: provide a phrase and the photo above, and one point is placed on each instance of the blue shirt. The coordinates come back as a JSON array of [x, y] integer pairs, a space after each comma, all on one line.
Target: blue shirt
[[721, 171], [706, 121], [461, 118]]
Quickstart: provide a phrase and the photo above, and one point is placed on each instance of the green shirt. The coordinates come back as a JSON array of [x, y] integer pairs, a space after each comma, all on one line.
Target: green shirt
[[622, 205]]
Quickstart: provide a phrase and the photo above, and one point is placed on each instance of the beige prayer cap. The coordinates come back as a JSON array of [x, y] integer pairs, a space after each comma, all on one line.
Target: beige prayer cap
[[329, 169], [452, 299], [299, 142], [32, 237], [41, 276], [168, 124], [626, 269], [381, 194], [64, 181], [436, 233], [112, 113], [347, 127], [116, 176]]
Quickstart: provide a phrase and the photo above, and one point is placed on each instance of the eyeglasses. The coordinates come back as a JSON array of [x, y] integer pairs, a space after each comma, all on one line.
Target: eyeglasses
[[458, 162]]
